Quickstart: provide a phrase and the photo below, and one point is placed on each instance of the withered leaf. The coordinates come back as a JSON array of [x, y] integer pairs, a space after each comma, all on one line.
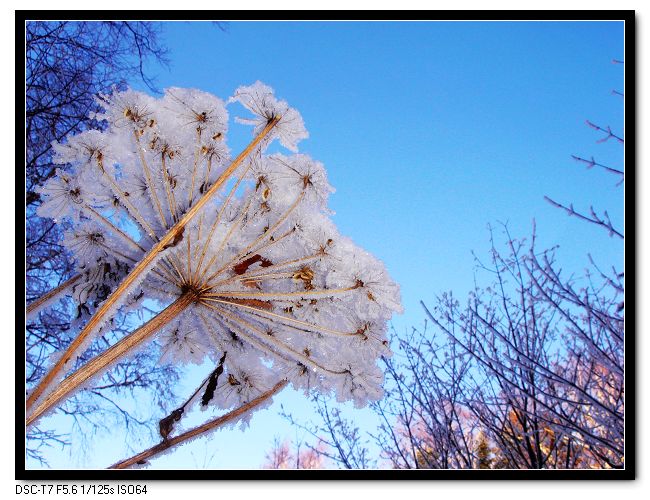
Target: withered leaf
[[251, 284], [260, 304], [166, 425], [243, 266], [178, 237], [212, 382]]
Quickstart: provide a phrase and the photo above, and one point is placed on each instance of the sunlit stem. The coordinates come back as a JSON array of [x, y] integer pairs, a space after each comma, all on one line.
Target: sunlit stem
[[37, 305], [131, 209], [113, 354], [201, 429], [144, 264], [268, 315], [171, 201], [272, 295], [149, 181], [267, 234], [112, 227], [196, 163], [224, 205], [243, 327], [225, 240]]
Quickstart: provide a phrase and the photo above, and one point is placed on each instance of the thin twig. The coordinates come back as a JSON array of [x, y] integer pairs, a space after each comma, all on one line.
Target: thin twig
[[142, 457], [593, 163], [607, 131], [594, 219]]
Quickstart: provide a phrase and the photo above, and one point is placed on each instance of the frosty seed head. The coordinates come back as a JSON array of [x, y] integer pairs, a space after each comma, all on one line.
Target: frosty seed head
[[272, 282], [260, 100], [62, 195]]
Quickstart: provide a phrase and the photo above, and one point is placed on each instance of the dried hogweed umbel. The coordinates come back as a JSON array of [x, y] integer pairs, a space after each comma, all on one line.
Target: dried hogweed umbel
[[243, 249]]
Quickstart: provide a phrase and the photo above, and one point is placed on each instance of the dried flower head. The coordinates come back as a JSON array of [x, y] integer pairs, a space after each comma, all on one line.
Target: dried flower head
[[262, 271]]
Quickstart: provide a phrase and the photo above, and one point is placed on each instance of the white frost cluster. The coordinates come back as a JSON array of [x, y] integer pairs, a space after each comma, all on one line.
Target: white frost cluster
[[275, 286]]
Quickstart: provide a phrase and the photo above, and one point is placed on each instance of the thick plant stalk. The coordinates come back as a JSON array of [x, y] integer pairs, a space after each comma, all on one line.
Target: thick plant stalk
[[35, 306], [111, 355], [174, 233], [208, 426]]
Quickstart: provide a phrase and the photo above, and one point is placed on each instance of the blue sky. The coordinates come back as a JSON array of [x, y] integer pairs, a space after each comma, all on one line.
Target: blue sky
[[429, 131]]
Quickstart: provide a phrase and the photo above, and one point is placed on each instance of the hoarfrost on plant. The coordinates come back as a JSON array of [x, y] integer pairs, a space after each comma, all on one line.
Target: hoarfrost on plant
[[274, 284]]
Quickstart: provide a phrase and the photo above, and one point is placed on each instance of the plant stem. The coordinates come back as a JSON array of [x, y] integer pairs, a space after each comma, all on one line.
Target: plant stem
[[261, 313], [268, 234], [173, 232], [111, 355], [112, 227], [243, 328], [151, 189], [131, 210], [218, 219], [39, 303], [212, 424]]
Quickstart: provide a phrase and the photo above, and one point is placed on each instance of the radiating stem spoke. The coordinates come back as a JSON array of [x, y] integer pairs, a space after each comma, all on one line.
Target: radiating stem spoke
[[247, 251], [268, 315], [130, 208], [113, 354], [223, 243], [150, 187], [252, 276], [218, 219], [144, 264], [171, 201], [262, 340], [272, 295], [112, 227], [196, 162]]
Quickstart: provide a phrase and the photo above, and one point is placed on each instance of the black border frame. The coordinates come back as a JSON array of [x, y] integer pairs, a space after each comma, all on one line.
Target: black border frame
[[627, 16]]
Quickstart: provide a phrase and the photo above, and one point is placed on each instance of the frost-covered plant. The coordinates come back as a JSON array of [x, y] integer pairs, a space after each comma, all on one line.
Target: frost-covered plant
[[242, 252]]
